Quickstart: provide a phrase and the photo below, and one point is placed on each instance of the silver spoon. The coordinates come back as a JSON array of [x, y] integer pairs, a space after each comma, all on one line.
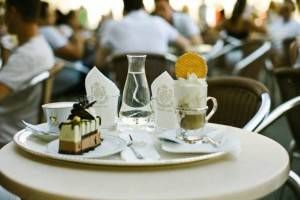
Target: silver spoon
[[205, 139], [135, 152]]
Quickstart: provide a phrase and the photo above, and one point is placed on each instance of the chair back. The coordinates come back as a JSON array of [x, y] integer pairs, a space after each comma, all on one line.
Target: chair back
[[288, 80], [46, 79], [246, 59], [242, 102], [286, 59], [154, 66]]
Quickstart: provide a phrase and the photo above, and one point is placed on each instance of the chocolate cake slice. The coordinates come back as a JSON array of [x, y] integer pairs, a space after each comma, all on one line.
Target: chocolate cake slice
[[81, 132]]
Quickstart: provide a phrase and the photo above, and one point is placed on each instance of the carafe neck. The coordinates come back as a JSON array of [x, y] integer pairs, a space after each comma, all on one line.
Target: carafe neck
[[136, 63]]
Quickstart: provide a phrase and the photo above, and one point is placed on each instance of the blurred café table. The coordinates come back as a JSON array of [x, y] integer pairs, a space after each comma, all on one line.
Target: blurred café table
[[261, 168], [201, 48]]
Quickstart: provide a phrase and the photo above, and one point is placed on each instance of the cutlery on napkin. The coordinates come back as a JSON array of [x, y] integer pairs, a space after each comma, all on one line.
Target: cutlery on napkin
[[142, 142]]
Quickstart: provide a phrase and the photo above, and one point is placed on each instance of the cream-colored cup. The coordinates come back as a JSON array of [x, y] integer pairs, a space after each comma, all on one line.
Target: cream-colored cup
[[57, 113]]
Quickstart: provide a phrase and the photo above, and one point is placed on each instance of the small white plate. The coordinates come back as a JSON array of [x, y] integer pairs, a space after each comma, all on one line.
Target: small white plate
[[226, 143], [42, 128], [110, 146], [42, 131]]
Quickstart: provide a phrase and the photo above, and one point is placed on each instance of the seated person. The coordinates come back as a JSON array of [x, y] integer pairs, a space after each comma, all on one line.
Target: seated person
[[282, 32], [238, 26], [181, 21], [63, 48], [70, 50], [138, 32], [32, 56], [67, 24]]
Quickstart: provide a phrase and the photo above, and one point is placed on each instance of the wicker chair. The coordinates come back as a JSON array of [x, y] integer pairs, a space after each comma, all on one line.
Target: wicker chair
[[154, 66], [288, 80], [247, 59], [286, 59], [291, 106], [242, 102]]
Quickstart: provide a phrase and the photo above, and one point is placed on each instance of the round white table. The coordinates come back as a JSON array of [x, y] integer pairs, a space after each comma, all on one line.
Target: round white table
[[261, 168]]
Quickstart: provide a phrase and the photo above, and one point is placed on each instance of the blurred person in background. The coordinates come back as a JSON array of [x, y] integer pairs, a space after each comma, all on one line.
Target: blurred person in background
[[32, 56], [68, 24], [63, 48], [282, 32], [70, 50], [273, 12], [239, 25], [104, 23], [202, 11], [181, 21], [138, 32], [285, 26]]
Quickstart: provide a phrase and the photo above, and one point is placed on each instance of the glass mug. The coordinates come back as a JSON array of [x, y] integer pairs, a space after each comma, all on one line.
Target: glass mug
[[192, 120]]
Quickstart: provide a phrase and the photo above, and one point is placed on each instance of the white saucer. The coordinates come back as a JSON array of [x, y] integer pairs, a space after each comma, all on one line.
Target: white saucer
[[110, 145], [42, 131], [227, 143]]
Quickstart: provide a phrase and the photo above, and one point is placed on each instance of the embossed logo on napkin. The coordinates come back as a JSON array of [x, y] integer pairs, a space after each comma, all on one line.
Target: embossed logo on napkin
[[106, 94], [165, 98], [99, 93], [163, 102]]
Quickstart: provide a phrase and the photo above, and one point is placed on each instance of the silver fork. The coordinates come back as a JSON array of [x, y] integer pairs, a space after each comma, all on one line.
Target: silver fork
[[135, 152]]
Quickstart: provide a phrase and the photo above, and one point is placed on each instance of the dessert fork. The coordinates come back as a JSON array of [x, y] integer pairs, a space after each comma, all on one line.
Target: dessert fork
[[135, 152]]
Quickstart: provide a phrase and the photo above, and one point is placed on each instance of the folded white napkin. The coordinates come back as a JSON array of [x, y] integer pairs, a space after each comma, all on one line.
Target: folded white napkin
[[163, 102], [143, 143], [226, 143], [106, 93]]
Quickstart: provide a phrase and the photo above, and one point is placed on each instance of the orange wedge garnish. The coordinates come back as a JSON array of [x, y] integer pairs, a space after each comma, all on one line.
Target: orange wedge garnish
[[190, 63]]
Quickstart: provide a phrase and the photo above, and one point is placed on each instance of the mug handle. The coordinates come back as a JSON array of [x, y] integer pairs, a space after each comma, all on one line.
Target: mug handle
[[214, 109]]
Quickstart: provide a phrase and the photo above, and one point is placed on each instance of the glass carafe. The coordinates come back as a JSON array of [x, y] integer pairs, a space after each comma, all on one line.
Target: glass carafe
[[136, 109]]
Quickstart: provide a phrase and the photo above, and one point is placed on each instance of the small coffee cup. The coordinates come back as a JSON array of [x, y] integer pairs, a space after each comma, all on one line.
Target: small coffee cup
[[57, 113]]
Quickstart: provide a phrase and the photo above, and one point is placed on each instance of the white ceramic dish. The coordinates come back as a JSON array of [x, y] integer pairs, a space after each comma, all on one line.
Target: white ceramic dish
[[42, 131], [110, 146], [27, 141]]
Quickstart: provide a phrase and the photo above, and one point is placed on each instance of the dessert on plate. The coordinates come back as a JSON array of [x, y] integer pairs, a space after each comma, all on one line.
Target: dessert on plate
[[80, 133], [191, 90]]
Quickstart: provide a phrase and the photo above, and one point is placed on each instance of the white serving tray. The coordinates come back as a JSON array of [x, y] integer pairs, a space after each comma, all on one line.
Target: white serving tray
[[27, 141]]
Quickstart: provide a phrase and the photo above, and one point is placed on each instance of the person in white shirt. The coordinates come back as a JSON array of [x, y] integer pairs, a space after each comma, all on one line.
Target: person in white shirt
[[284, 28], [181, 21], [138, 32], [70, 50], [63, 48], [32, 56]]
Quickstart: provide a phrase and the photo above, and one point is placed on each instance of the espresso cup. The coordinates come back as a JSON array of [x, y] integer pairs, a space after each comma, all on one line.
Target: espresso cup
[[194, 119], [57, 113]]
